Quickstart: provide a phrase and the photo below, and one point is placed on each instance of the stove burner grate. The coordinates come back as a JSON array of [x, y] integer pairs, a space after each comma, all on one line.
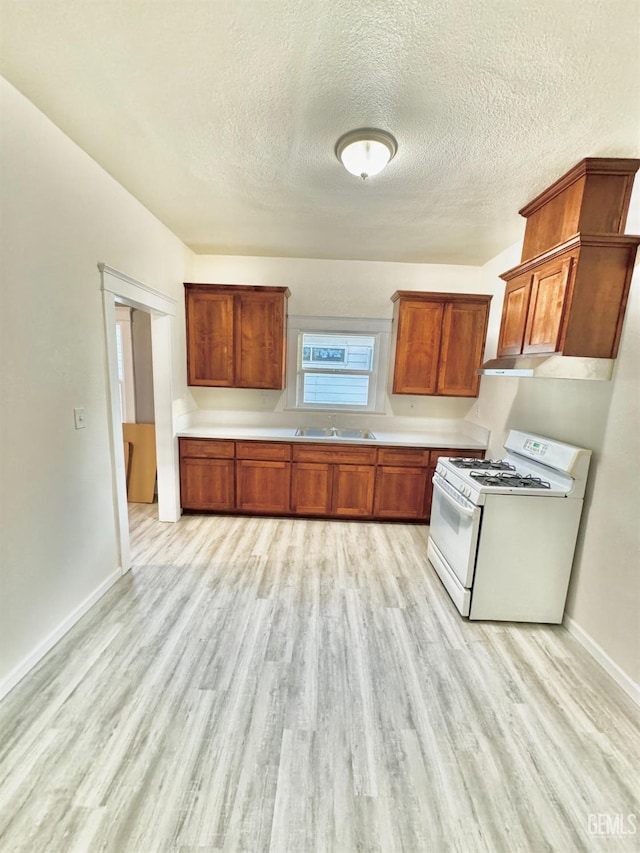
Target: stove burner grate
[[483, 464], [518, 481]]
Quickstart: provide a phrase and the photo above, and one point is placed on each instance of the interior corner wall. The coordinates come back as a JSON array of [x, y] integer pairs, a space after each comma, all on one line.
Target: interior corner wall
[[604, 594], [62, 215]]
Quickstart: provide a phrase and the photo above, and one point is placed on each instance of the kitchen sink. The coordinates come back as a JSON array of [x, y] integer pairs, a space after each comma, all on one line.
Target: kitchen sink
[[335, 432]]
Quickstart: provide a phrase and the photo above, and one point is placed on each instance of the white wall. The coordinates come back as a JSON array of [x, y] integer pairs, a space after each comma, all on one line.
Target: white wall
[[62, 215], [338, 289], [604, 596]]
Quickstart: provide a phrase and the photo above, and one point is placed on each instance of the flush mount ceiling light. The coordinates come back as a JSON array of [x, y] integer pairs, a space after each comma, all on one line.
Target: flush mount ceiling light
[[366, 152]]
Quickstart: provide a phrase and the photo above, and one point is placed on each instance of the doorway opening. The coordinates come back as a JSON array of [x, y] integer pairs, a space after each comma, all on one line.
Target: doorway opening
[[119, 289]]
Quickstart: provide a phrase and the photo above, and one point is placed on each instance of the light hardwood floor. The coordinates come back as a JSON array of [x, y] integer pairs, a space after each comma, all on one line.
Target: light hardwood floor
[[290, 685]]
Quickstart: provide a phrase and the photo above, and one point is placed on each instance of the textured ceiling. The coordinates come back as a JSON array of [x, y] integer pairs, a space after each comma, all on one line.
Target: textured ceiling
[[221, 117]]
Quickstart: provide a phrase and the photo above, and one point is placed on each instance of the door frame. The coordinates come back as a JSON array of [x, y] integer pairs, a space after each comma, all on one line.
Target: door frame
[[118, 288]]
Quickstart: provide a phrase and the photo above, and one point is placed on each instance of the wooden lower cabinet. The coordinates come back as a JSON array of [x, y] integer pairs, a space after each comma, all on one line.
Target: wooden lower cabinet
[[207, 484], [263, 477], [263, 487], [353, 487], [401, 493], [335, 481], [207, 475], [328, 490], [402, 483], [305, 479], [311, 488]]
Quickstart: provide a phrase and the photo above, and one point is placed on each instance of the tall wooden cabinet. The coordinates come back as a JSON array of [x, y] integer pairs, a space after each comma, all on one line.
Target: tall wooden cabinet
[[236, 335], [439, 341], [569, 293]]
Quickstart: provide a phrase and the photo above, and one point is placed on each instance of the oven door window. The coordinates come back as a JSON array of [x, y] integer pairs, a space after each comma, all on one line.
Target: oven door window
[[454, 529]]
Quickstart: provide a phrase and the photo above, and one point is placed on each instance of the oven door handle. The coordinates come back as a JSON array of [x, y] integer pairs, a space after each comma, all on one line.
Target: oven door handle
[[470, 512]]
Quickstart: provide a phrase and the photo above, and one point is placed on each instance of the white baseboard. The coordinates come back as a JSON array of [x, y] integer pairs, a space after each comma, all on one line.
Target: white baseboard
[[18, 673], [608, 664]]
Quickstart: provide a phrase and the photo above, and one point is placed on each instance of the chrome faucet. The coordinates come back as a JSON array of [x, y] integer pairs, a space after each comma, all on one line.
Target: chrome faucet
[[332, 424]]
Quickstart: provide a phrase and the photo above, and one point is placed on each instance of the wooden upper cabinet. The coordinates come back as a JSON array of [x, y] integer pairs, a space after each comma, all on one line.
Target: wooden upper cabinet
[[533, 313], [439, 341], [209, 337], [571, 299], [592, 198], [260, 340], [547, 307], [514, 315], [236, 335], [464, 332], [569, 293], [419, 334]]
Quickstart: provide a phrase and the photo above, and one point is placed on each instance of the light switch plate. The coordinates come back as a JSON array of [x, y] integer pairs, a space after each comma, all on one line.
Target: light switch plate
[[78, 414]]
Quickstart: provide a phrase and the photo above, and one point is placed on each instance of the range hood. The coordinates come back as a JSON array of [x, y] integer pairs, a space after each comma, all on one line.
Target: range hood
[[550, 366]]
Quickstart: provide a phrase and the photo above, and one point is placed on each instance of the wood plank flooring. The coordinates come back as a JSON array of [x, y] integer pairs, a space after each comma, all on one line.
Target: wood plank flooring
[[288, 685]]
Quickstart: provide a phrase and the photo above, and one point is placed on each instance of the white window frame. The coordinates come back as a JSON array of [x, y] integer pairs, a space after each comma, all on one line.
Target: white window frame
[[378, 328]]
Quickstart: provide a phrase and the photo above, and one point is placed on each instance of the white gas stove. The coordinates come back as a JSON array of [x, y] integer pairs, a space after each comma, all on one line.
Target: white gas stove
[[503, 532]]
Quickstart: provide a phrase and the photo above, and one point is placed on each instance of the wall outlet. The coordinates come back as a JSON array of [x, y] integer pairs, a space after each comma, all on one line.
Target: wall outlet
[[78, 416]]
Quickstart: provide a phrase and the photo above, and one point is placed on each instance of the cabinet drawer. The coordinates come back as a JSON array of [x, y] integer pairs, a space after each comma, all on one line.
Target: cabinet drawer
[[269, 451], [334, 453], [206, 448], [409, 456], [468, 454]]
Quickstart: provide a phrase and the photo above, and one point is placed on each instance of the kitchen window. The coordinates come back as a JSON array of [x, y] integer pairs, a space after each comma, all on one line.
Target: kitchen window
[[337, 364]]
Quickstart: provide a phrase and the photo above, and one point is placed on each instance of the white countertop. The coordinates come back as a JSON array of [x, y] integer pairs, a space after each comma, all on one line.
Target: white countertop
[[428, 438]]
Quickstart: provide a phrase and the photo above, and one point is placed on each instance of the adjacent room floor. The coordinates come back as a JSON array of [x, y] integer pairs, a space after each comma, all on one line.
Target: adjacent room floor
[[290, 685]]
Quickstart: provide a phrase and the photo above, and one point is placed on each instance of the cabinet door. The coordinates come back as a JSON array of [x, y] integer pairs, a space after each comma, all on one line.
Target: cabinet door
[[464, 331], [260, 340], [353, 487], [417, 346], [311, 488], [263, 487], [514, 315], [435, 455], [207, 484], [400, 492], [549, 292], [209, 338]]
